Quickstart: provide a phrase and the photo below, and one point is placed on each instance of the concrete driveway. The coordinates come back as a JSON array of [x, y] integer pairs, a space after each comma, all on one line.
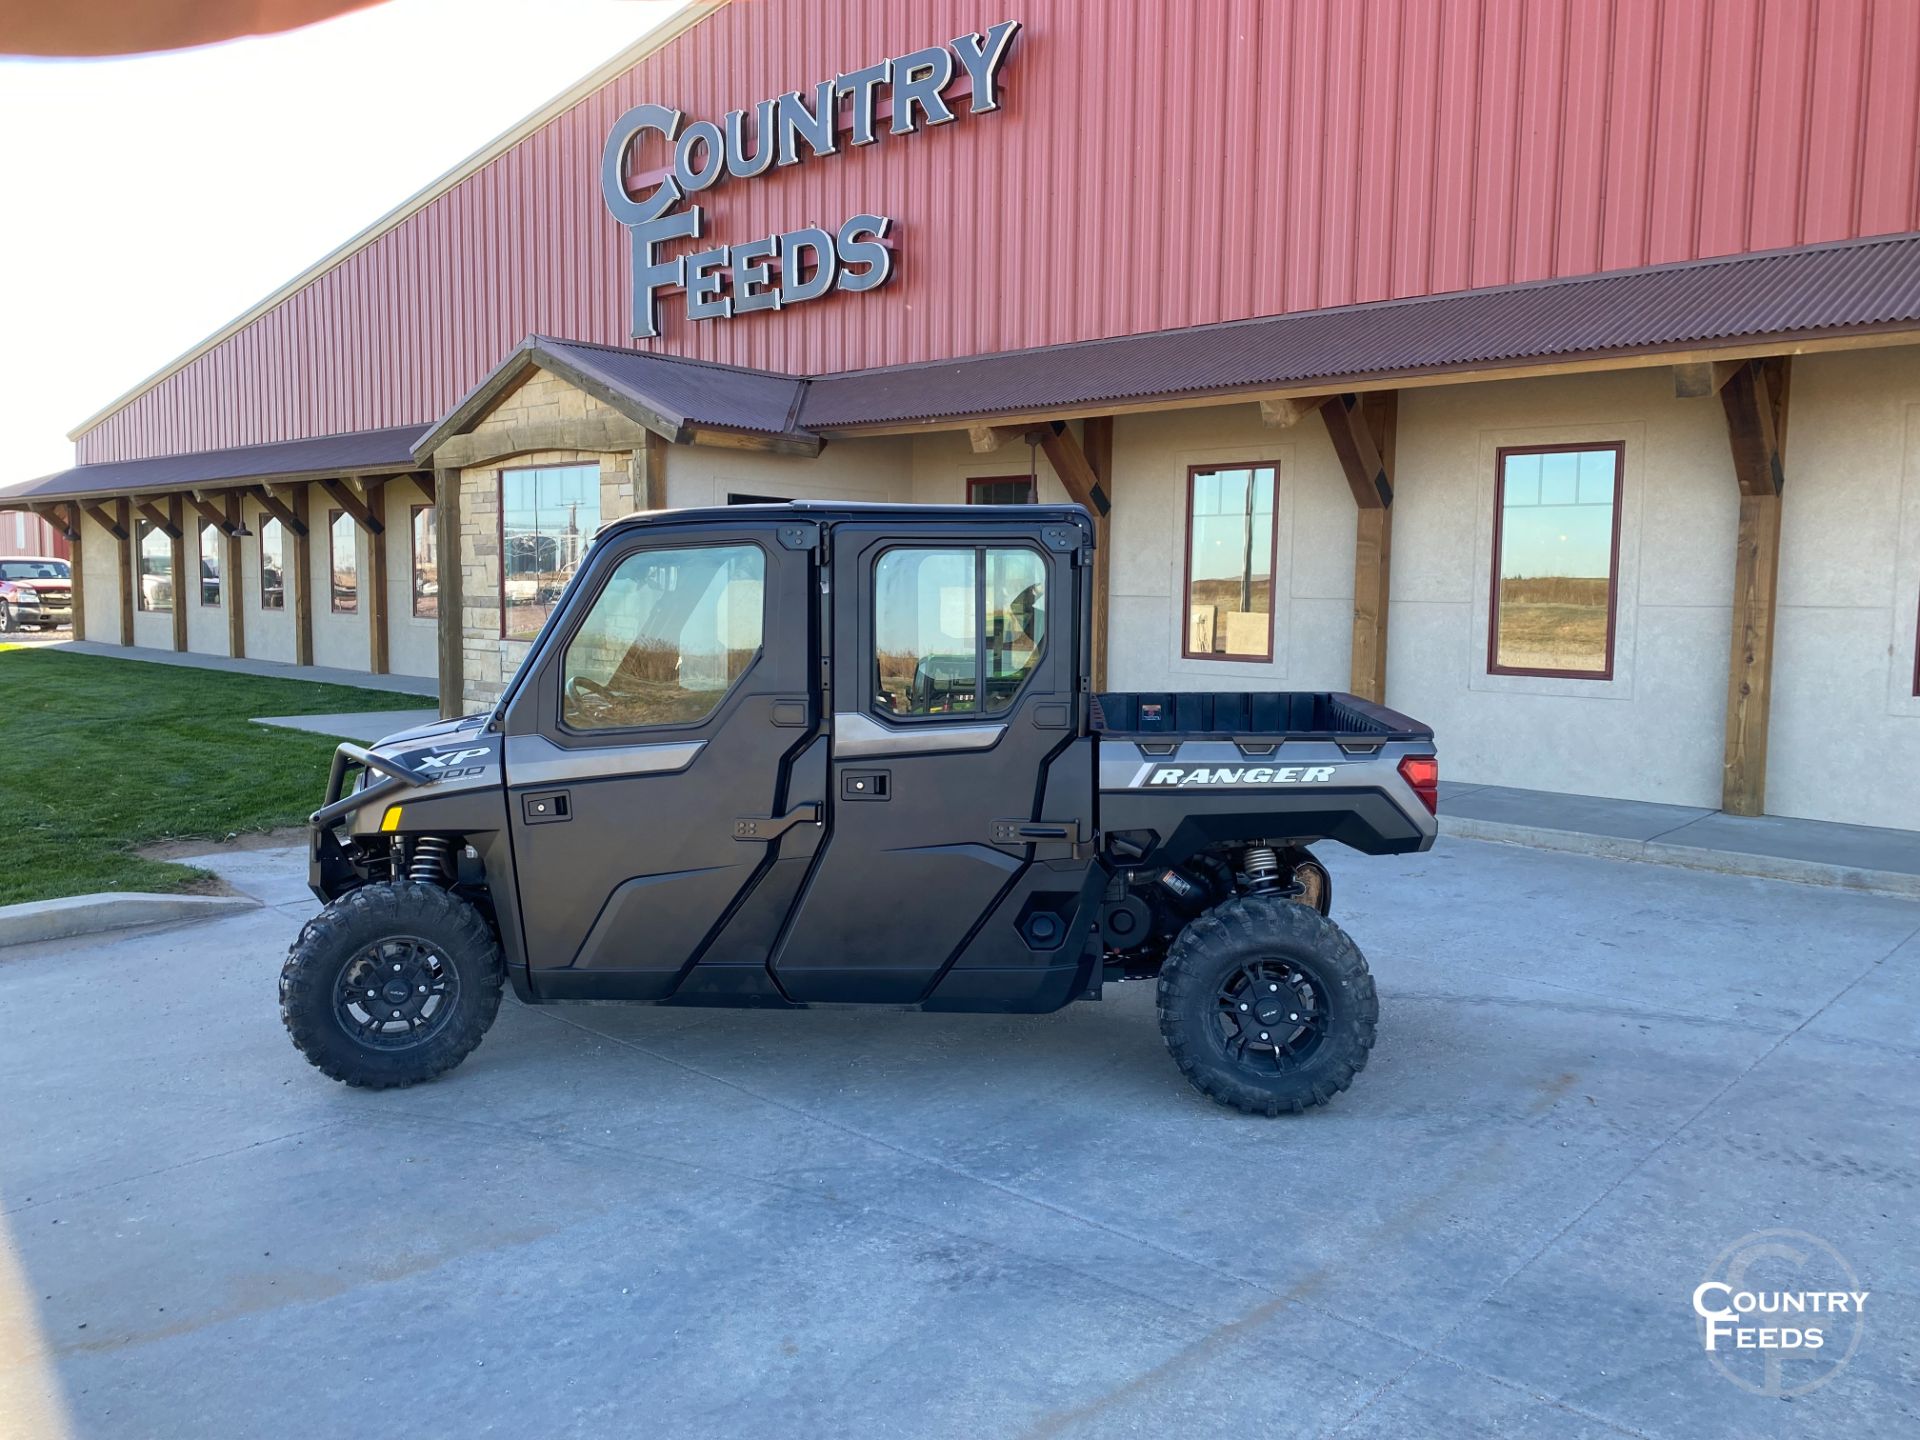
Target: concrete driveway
[[1593, 1078]]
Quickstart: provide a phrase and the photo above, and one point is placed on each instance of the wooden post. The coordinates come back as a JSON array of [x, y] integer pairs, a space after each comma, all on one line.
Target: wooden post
[[302, 579], [1362, 429], [447, 575], [77, 555], [378, 638], [129, 572], [1097, 438], [649, 470], [232, 591], [1755, 400], [181, 588]]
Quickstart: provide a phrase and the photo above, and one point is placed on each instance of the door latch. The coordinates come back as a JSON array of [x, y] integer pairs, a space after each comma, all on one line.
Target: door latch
[[772, 827]]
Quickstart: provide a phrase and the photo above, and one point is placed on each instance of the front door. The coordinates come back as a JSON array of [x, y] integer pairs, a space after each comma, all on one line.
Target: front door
[[953, 676], [673, 705]]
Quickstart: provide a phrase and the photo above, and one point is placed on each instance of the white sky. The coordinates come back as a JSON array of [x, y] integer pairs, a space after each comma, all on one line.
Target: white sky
[[145, 202]]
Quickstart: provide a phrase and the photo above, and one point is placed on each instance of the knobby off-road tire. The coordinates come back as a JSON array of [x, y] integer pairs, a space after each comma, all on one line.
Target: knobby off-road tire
[[390, 985], [1267, 1006]]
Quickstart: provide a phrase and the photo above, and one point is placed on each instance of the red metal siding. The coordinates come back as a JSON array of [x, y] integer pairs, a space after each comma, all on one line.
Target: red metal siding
[[1152, 166]]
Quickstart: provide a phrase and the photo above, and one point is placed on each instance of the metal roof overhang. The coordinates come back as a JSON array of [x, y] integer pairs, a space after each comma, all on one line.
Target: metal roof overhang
[[362, 452]]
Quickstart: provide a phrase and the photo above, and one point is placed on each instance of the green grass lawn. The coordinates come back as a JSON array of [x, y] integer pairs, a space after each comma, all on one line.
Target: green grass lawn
[[100, 756]]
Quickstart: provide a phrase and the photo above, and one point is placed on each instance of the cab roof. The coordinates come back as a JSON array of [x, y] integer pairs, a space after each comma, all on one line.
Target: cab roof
[[863, 512]]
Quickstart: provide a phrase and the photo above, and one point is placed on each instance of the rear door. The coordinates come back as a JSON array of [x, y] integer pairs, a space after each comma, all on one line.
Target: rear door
[[953, 664], [669, 706]]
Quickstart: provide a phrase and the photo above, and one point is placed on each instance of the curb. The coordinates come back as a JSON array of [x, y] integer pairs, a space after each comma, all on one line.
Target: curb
[[1687, 857], [36, 920]]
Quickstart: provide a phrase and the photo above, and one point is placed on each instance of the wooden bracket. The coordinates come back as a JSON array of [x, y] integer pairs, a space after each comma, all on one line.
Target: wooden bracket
[[1362, 429], [1069, 462], [106, 521], [1755, 399], [1354, 425], [65, 518], [985, 439], [1702, 378], [214, 515], [278, 508], [361, 510], [161, 520]]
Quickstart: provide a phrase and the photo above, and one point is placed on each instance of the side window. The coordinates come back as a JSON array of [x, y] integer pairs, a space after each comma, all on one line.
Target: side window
[[668, 635], [156, 568], [956, 631], [1231, 529], [209, 565], [1556, 558]]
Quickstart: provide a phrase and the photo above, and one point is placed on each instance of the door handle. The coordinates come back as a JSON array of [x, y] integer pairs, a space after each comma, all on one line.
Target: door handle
[[1034, 832], [772, 827]]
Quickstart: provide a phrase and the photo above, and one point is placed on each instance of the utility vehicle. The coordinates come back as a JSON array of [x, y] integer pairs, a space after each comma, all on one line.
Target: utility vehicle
[[788, 755]]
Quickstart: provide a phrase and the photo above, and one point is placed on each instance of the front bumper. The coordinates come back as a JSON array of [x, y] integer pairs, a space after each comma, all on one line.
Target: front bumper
[[42, 615]]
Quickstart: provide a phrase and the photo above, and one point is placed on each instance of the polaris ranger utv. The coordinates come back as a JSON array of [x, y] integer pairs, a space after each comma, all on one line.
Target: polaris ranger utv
[[788, 755]]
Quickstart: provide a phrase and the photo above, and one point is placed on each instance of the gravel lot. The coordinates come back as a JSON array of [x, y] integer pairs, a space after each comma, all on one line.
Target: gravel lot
[[1592, 1079]]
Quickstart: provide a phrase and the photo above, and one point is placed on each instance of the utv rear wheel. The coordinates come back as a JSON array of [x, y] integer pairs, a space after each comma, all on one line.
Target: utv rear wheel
[[1267, 1006], [391, 985]]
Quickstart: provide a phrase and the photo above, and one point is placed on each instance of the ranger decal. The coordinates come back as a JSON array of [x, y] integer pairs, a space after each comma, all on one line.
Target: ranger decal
[[1239, 774]]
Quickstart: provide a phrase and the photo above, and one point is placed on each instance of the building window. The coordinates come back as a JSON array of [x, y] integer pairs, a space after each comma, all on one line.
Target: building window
[[209, 564], [666, 639], [547, 518], [1000, 490], [953, 624], [343, 562], [273, 555], [1231, 537], [426, 564], [156, 568], [1556, 560]]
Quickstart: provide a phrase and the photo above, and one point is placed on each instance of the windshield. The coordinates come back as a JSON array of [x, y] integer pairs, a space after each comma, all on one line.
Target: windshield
[[33, 570]]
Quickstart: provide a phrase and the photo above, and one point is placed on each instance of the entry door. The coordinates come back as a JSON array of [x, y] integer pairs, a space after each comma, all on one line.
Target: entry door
[[667, 709], [952, 685]]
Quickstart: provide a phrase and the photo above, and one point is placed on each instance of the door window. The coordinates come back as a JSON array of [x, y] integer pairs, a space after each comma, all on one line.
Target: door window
[[668, 635], [956, 630]]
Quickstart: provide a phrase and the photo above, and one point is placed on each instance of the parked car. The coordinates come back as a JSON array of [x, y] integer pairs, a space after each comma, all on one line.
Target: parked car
[[748, 763], [36, 593]]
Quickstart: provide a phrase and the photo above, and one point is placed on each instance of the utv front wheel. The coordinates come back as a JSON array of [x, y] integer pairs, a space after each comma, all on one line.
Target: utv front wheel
[[391, 985], [1267, 1006]]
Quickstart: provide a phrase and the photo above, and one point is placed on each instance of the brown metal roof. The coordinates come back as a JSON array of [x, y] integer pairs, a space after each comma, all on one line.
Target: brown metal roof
[[1797, 293], [690, 392], [363, 452]]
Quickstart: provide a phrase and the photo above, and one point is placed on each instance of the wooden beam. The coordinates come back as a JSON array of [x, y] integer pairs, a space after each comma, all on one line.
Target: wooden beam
[[122, 528], [302, 580], [76, 564], [185, 588], [214, 514], [648, 469], [1352, 421], [166, 521], [361, 510], [378, 636], [447, 576], [1069, 462], [1363, 430], [280, 510], [803, 446], [1285, 413], [108, 520], [65, 518], [423, 479], [606, 432], [1698, 379], [1097, 435], [232, 591], [1755, 401], [985, 439]]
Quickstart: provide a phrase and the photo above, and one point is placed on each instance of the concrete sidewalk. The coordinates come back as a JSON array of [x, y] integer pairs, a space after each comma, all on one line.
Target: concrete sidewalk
[[321, 674], [1854, 857]]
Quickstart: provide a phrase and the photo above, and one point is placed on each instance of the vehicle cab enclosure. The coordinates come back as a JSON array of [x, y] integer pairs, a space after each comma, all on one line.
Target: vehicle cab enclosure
[[793, 754]]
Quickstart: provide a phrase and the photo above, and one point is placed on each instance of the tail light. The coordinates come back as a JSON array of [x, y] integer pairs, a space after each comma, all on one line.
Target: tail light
[[1422, 772]]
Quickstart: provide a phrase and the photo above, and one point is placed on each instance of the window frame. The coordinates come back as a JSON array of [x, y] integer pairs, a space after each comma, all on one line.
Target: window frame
[[557, 667], [1619, 449], [500, 530], [334, 517], [414, 513], [200, 579], [1186, 563], [260, 562], [871, 632], [1916, 646], [976, 482], [141, 530]]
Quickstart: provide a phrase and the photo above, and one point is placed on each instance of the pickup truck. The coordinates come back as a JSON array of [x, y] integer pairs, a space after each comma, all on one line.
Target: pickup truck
[[798, 754], [36, 592]]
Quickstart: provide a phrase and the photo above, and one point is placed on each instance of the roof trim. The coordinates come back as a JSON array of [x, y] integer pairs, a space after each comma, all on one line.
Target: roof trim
[[658, 38]]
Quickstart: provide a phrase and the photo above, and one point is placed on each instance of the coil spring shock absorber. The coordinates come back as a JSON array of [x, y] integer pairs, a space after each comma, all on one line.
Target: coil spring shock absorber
[[1261, 866], [432, 860]]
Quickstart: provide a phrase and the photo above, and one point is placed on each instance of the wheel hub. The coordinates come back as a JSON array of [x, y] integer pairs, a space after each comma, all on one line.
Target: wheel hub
[[1273, 1015], [396, 993]]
